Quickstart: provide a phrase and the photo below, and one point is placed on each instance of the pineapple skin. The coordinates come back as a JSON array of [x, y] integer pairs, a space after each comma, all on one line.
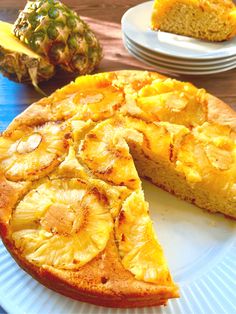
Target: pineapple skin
[[52, 30], [24, 69], [20, 66]]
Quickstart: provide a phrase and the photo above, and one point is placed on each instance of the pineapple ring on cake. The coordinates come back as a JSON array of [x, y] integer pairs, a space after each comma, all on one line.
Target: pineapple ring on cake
[[29, 153], [89, 97], [62, 223], [106, 153], [207, 156], [139, 249], [173, 101], [168, 137]]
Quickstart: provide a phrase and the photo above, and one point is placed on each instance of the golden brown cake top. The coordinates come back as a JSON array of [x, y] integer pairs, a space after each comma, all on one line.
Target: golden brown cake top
[[67, 161]]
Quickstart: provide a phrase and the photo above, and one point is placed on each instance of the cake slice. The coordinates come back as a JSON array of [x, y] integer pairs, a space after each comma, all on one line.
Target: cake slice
[[213, 20]]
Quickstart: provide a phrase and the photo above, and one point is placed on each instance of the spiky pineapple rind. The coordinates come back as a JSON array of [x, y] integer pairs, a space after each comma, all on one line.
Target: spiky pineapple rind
[[54, 31], [19, 63], [24, 69]]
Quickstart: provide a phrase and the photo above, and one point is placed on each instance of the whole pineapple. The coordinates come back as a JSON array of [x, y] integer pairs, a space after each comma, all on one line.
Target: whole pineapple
[[56, 32]]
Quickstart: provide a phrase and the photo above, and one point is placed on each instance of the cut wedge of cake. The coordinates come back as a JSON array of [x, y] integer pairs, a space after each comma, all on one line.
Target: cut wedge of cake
[[72, 209], [213, 20]]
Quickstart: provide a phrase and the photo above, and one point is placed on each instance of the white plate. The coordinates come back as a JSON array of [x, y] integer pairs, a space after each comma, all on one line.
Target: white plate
[[200, 248], [177, 67], [159, 66], [136, 24], [181, 61], [166, 62]]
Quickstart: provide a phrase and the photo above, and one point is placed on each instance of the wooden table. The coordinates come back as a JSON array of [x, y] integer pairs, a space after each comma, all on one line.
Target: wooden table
[[104, 17]]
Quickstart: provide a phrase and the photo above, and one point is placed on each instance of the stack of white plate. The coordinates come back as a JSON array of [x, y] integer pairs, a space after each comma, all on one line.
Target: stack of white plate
[[173, 53]]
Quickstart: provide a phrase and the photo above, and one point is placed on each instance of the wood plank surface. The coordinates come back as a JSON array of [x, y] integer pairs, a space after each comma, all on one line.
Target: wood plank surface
[[104, 18]]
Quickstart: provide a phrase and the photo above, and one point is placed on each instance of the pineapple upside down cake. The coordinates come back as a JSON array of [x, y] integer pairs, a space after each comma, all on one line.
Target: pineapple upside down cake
[[72, 209]]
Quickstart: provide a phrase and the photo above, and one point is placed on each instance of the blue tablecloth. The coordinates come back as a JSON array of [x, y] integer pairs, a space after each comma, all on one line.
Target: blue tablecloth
[[2, 310]]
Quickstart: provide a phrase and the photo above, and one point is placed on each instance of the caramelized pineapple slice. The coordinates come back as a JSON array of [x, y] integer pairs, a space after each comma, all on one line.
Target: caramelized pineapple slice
[[156, 139], [219, 144], [61, 223], [160, 139], [106, 153], [89, 97], [173, 101], [29, 153], [138, 247], [79, 129], [132, 81], [70, 167], [219, 158], [220, 136], [115, 194], [191, 159], [208, 156]]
